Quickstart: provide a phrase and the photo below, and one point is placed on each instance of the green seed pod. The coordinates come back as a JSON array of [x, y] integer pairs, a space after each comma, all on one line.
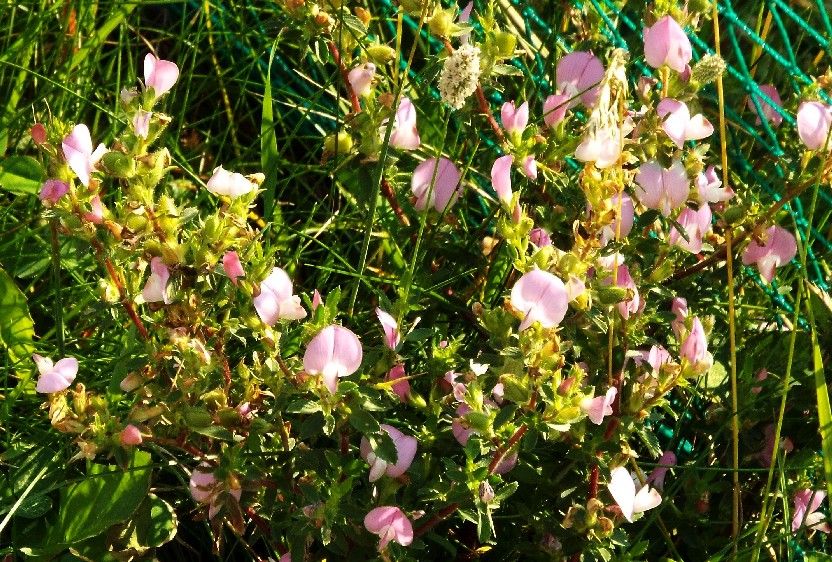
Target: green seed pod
[[442, 23], [381, 54], [118, 165], [340, 143], [611, 295]]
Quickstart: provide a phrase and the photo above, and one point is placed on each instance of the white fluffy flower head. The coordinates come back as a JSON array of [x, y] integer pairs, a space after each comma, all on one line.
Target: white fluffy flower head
[[460, 75]]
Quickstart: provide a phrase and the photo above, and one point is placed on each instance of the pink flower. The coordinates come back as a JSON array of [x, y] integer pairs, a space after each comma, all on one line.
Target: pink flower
[[459, 426], [708, 185], [778, 249], [579, 72], [130, 435], [141, 123], [514, 119], [392, 337], [540, 238], [806, 505], [159, 74], [665, 42], [575, 287], [530, 167], [205, 489], [622, 488], [390, 524], [276, 300], [52, 191], [156, 287], [657, 476], [554, 109], [440, 192], [457, 388], [405, 135], [635, 304], [696, 224], [600, 406], [540, 297], [655, 358], [663, 189], [361, 79], [405, 451], [695, 348], [55, 377], [679, 307], [501, 178], [78, 152], [232, 266], [317, 300], [813, 122], [96, 215], [769, 111], [628, 212], [402, 387], [230, 184], [601, 146], [334, 352], [786, 445], [678, 123]]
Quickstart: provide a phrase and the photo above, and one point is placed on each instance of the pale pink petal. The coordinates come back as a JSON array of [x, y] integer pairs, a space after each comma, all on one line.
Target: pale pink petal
[[230, 184], [623, 491], [405, 451], [540, 297], [813, 122], [402, 387], [141, 123], [57, 377], [52, 191], [202, 483], [514, 119], [405, 135], [130, 436], [155, 289], [159, 74], [501, 178], [530, 167], [390, 328], [554, 109], [441, 193], [540, 238], [769, 113], [334, 352], [665, 42], [675, 117], [361, 78], [232, 266], [646, 498], [600, 406], [77, 149], [580, 72]]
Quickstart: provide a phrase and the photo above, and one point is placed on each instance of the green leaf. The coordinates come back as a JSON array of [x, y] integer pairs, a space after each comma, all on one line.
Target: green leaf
[[303, 406], [364, 422], [154, 523], [215, 432], [22, 175], [269, 154], [16, 328], [107, 496]]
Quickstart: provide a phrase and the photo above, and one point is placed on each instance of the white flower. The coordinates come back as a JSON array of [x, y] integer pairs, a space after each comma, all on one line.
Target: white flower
[[460, 75]]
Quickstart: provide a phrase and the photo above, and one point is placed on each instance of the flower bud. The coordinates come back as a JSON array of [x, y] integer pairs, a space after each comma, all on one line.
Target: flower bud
[[506, 43], [38, 133], [486, 492], [442, 23], [340, 143], [364, 15], [118, 164], [130, 436], [381, 54]]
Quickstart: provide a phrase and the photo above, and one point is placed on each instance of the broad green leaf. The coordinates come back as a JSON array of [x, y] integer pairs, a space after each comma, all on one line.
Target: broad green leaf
[[16, 328], [22, 175], [154, 523], [364, 422], [107, 496]]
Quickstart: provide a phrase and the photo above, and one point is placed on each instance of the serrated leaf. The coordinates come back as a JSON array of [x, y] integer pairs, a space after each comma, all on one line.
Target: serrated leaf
[[22, 175], [364, 422], [303, 406]]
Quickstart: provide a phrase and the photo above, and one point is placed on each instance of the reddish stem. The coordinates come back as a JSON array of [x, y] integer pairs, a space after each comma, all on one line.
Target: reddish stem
[[390, 195], [593, 482], [125, 301], [336, 55], [437, 518], [485, 109], [501, 452]]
